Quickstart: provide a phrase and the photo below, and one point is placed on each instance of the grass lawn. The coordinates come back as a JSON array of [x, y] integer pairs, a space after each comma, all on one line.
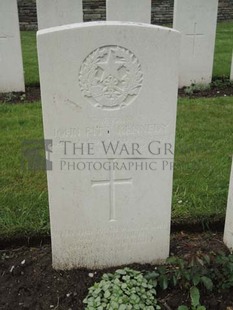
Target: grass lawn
[[28, 39], [223, 49], [204, 149], [222, 61], [202, 165], [23, 195]]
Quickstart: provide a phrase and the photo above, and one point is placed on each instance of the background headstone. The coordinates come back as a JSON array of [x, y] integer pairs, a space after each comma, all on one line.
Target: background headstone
[[196, 20], [52, 13], [231, 75], [100, 86], [228, 233], [11, 64], [129, 10]]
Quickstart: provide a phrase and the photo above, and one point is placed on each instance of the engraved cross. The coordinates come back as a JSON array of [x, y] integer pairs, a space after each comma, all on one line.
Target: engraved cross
[[112, 181], [194, 35]]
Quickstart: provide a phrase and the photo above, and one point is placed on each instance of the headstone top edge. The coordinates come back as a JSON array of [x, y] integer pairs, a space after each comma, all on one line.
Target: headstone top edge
[[103, 24]]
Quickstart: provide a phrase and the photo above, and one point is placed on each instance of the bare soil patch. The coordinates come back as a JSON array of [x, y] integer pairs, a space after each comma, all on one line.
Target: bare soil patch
[[27, 280]]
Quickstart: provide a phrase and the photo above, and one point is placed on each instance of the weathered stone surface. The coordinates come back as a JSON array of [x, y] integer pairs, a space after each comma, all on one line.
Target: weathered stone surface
[[129, 10], [109, 106], [196, 20], [58, 12], [11, 64], [228, 233]]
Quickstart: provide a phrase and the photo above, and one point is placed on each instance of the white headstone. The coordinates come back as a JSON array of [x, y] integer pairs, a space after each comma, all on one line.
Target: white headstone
[[228, 233], [196, 20], [129, 10], [231, 75], [109, 106], [52, 13], [11, 64]]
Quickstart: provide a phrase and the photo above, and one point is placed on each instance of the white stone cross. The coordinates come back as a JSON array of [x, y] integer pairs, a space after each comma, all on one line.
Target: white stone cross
[[112, 181], [194, 35]]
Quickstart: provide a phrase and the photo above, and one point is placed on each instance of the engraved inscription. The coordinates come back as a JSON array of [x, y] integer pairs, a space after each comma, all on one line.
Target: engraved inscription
[[194, 35], [110, 77], [111, 182]]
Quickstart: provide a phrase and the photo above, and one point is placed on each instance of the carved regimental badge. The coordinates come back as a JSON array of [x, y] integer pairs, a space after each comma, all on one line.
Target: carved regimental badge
[[110, 77]]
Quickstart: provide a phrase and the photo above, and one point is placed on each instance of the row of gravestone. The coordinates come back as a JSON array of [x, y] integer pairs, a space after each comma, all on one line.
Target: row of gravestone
[[109, 99], [196, 20]]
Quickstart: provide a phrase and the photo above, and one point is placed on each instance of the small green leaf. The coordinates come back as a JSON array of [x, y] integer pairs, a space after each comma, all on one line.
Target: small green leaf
[[107, 294], [152, 275], [195, 296], [174, 279], [183, 308], [121, 271], [164, 282], [196, 280], [207, 283], [207, 259]]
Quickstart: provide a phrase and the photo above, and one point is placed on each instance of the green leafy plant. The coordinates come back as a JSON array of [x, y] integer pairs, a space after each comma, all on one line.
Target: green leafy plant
[[223, 271], [221, 82], [9, 97], [194, 88], [195, 300], [123, 290], [194, 271], [199, 271]]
